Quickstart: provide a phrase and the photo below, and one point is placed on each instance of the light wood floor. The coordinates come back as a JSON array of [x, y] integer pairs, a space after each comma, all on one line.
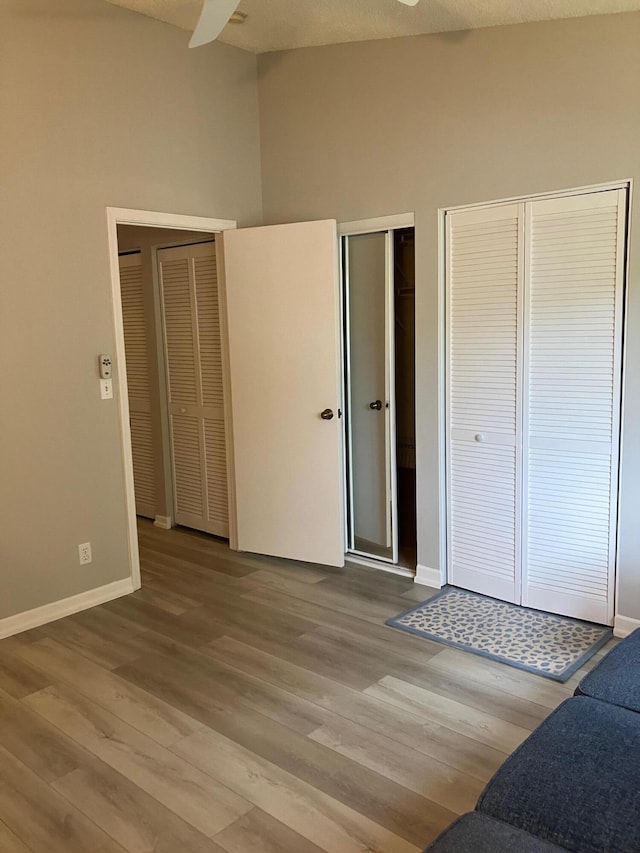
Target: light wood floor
[[242, 704]]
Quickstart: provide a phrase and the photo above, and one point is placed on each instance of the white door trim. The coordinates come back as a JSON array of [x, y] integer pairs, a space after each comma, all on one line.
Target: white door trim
[[354, 228], [152, 219], [623, 391], [390, 393], [622, 184], [625, 183], [380, 223]]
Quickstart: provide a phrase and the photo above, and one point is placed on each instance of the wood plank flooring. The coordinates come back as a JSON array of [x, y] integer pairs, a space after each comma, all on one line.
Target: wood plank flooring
[[239, 703]]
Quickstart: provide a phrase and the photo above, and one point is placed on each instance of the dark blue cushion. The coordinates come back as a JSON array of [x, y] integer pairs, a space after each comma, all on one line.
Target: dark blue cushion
[[575, 781], [616, 679], [478, 833]]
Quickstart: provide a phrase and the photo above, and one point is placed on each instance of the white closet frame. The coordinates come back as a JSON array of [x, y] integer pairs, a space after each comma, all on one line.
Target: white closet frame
[[350, 229], [389, 395], [623, 184]]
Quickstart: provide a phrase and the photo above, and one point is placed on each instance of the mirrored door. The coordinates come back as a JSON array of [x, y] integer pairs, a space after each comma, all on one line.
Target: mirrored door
[[369, 345]]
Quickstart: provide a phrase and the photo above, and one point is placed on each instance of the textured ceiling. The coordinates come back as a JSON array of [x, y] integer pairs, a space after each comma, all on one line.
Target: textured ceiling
[[282, 24]]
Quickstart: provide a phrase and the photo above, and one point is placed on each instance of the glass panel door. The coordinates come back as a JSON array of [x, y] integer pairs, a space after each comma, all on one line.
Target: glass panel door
[[368, 268]]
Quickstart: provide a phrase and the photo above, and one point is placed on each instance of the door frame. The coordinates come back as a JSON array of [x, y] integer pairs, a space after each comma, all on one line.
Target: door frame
[[150, 219], [623, 184], [384, 224]]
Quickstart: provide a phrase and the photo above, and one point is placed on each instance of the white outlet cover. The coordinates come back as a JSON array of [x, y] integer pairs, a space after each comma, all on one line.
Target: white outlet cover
[[84, 553], [106, 389]]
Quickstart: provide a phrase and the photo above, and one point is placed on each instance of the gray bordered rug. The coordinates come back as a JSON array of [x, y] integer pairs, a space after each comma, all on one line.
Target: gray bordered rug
[[549, 645]]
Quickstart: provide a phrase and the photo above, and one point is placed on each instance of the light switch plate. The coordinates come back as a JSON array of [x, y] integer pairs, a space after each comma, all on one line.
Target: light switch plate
[[106, 389]]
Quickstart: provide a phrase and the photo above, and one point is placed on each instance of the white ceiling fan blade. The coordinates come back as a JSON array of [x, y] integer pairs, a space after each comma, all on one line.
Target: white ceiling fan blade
[[214, 16], [409, 2]]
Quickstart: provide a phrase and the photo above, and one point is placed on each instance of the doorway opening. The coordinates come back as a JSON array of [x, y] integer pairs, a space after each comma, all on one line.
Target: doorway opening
[[379, 345], [405, 381], [168, 287], [170, 382], [303, 431]]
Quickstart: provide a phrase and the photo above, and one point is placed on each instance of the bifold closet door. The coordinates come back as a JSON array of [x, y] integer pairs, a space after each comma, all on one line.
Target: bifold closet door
[[191, 319], [573, 341], [137, 358], [484, 292]]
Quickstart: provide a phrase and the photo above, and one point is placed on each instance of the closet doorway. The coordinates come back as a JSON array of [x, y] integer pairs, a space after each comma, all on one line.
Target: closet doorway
[[379, 345]]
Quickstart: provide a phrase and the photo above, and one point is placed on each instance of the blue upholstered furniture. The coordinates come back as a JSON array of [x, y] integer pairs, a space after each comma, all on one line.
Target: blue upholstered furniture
[[574, 784], [483, 834], [616, 679]]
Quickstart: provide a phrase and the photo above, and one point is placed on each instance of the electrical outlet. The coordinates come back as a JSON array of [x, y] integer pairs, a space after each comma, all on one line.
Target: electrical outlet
[[84, 553]]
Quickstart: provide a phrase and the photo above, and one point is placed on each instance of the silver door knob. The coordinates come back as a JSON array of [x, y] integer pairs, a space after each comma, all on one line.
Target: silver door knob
[[479, 436]]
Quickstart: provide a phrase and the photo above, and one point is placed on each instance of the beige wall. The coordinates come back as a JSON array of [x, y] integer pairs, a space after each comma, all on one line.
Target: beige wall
[[144, 239], [98, 106], [414, 124]]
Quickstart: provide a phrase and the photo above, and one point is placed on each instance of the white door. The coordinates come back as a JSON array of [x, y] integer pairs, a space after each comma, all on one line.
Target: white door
[[484, 273], [573, 342], [534, 311], [283, 318], [191, 320], [137, 359], [368, 277]]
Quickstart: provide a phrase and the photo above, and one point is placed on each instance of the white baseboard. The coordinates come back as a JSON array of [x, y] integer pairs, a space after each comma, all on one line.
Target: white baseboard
[[11, 625], [428, 577], [163, 521], [623, 626]]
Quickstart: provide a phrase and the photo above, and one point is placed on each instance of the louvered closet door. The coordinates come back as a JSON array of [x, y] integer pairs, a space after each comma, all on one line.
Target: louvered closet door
[[575, 249], [483, 419], [189, 285], [137, 357]]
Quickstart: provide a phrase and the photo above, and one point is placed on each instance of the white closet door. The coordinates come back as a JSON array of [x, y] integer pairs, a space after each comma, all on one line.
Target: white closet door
[[189, 286], [573, 334], [283, 311], [137, 358], [484, 272]]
